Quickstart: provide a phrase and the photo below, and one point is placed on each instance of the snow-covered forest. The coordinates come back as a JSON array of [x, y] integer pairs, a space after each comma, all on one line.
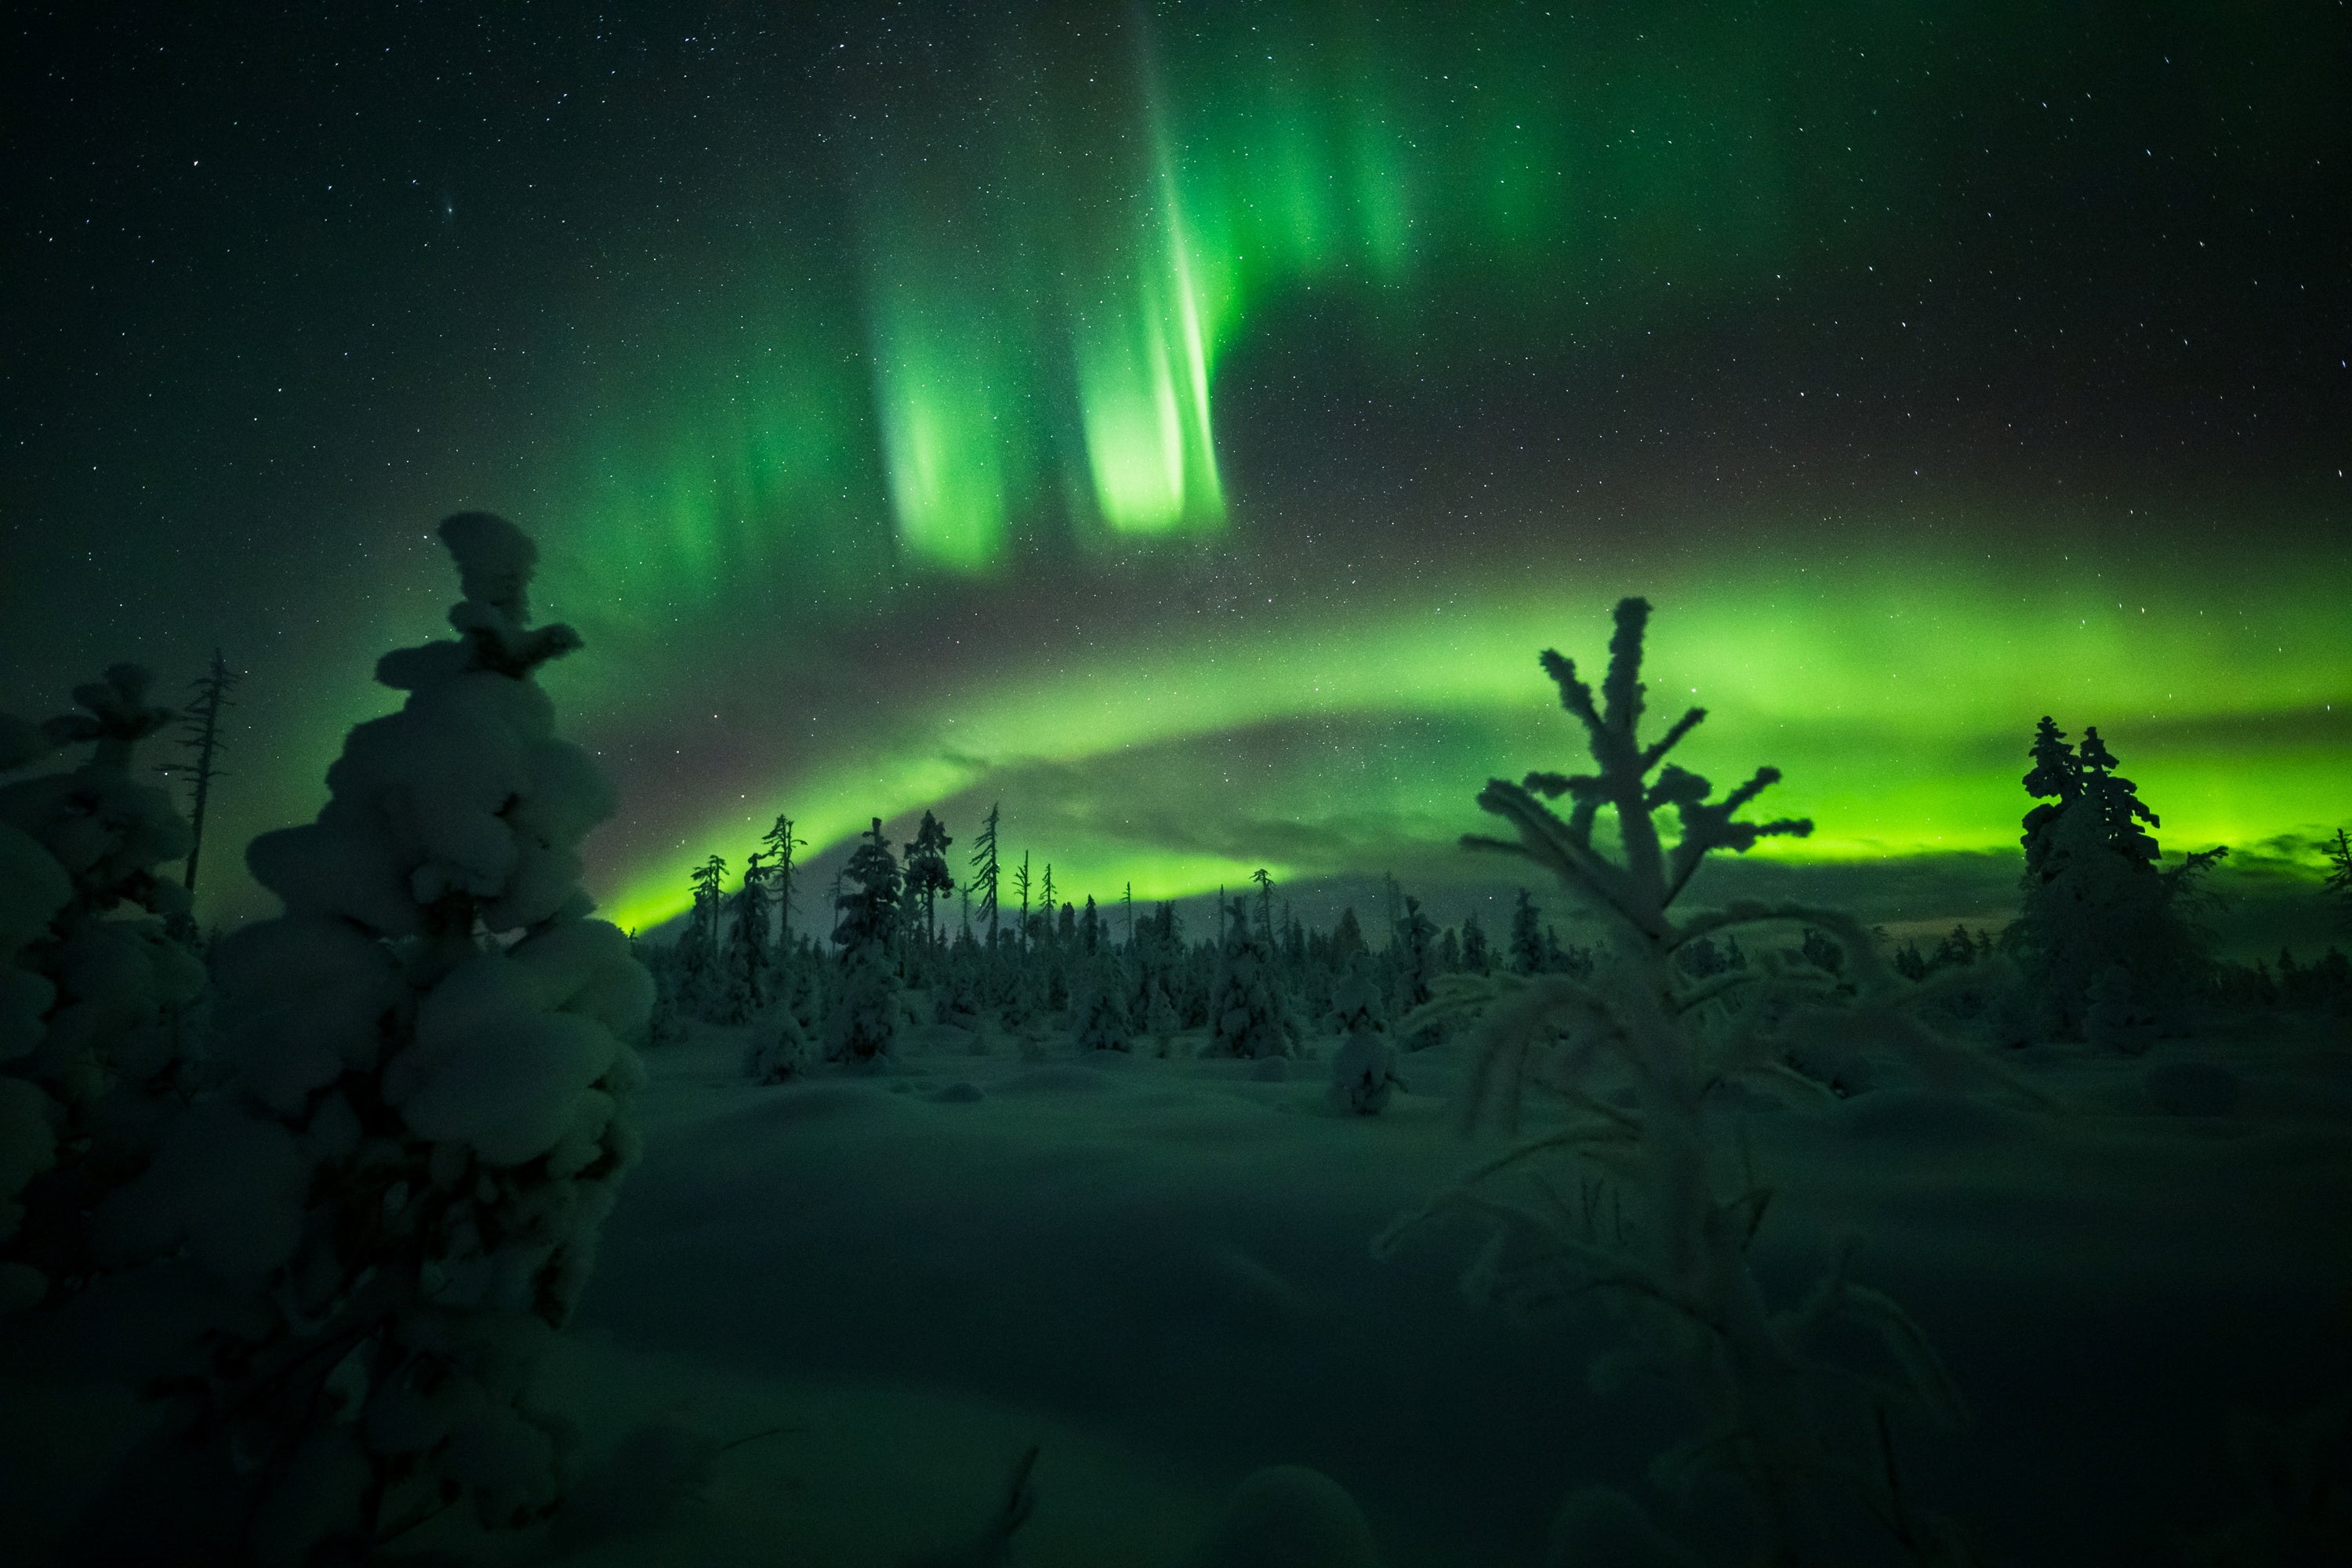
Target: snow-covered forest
[[938, 1214]]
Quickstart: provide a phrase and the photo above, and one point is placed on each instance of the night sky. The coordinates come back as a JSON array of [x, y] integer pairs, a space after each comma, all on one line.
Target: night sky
[[1185, 423]]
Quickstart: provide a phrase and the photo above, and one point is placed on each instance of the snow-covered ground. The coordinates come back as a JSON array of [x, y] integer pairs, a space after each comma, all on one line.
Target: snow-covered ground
[[1159, 1272]]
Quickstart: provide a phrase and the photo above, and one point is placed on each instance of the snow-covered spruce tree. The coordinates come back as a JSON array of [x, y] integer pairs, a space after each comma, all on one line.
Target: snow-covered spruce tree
[[1363, 1070], [96, 1050], [393, 1204], [1098, 1019], [928, 876], [1415, 963], [2103, 936], [782, 1053], [1527, 951], [748, 986], [700, 966], [1248, 1015], [862, 1020], [1801, 1436], [1160, 1019], [956, 996], [1477, 958]]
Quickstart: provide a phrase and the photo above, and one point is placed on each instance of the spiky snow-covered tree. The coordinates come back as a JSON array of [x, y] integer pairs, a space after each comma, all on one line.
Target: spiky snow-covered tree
[[94, 982], [397, 1194], [747, 985], [986, 872], [1098, 1016], [2098, 915], [1800, 1437], [926, 871], [780, 843], [1363, 1070], [1160, 1017], [1527, 954], [863, 1019], [1477, 958], [783, 1051], [1415, 960], [1248, 1016]]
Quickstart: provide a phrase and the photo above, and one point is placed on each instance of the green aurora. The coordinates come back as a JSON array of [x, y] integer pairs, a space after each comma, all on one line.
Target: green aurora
[[1359, 727], [943, 409]]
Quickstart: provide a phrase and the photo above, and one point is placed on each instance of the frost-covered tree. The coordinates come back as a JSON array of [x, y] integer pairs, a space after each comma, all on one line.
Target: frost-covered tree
[[1363, 1070], [1476, 957], [780, 843], [1098, 1017], [1264, 880], [1346, 942], [1526, 953], [2097, 912], [985, 871], [1415, 960], [700, 965], [956, 999], [392, 1204], [746, 988], [1247, 1013], [1632, 1052], [927, 869], [94, 985], [863, 1016], [782, 1053], [1160, 1016]]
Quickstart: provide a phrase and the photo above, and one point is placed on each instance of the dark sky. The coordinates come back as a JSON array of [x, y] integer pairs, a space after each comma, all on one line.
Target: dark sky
[[1101, 410]]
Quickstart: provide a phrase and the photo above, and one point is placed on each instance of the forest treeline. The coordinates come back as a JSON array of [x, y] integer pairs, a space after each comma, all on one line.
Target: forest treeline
[[2106, 945], [321, 1191]]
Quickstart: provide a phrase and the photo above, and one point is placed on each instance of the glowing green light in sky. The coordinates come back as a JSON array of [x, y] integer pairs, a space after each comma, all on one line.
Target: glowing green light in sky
[[1898, 713], [941, 438], [1143, 388], [877, 409]]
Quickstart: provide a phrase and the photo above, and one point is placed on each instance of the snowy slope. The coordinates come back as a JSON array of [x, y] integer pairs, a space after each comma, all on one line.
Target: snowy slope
[[1158, 1271]]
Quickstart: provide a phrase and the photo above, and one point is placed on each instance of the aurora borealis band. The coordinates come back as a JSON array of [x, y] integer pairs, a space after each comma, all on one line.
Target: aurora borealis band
[[1184, 424]]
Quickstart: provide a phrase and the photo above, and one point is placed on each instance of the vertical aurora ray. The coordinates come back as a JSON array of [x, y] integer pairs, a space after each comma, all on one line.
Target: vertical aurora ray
[[940, 399], [1142, 357], [1059, 234]]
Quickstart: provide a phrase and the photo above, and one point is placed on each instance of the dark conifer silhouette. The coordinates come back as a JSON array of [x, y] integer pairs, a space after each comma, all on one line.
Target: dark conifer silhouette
[[1766, 1387], [200, 733], [2103, 936], [864, 1022], [1021, 886], [779, 842], [1346, 940], [709, 880], [984, 872], [926, 868], [1526, 956], [747, 988], [2339, 876], [1414, 956]]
